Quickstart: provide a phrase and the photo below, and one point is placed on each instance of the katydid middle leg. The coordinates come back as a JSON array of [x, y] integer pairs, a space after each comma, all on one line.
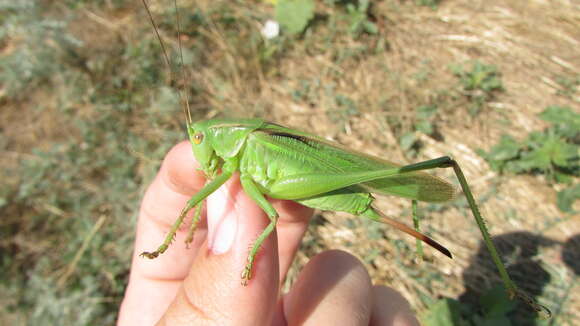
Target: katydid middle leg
[[252, 190], [194, 223]]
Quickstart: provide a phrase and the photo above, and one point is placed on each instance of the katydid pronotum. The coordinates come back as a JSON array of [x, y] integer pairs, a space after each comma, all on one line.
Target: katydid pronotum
[[278, 162]]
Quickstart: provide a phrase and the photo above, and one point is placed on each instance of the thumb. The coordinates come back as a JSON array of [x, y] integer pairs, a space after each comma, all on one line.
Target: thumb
[[213, 293]]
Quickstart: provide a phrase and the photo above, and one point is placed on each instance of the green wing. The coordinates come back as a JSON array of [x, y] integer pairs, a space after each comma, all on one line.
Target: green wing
[[414, 185]]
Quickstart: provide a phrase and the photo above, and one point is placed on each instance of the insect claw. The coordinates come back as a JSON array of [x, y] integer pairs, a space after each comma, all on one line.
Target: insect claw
[[246, 274], [188, 241], [150, 255]]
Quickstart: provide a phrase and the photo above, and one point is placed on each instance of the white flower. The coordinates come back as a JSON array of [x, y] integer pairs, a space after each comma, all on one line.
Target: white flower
[[271, 29]]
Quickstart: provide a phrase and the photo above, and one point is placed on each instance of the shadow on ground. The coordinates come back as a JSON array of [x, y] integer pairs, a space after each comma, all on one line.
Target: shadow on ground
[[520, 251]]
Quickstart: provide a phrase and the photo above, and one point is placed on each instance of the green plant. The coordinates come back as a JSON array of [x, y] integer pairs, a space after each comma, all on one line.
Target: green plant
[[294, 15], [423, 123], [492, 309], [554, 152], [344, 108], [569, 85], [40, 45], [428, 3], [479, 85], [358, 17]]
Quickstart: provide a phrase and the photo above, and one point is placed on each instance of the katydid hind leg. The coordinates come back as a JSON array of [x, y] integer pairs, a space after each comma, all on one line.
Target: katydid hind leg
[[447, 162], [513, 291], [419, 243], [376, 215], [253, 192], [196, 199]]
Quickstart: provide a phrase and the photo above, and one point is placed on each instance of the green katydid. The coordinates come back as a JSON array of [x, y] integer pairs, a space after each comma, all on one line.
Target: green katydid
[[283, 163], [278, 162]]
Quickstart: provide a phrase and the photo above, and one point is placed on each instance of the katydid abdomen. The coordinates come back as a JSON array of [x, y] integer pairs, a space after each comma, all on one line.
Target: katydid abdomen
[[268, 157]]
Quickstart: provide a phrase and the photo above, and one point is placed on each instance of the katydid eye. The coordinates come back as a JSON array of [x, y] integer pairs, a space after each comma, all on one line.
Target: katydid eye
[[197, 138]]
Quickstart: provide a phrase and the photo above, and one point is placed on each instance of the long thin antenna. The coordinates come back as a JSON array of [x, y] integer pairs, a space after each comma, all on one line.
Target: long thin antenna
[[158, 37], [184, 79], [182, 93]]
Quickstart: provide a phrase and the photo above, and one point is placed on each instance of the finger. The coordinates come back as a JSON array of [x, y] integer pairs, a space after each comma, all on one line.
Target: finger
[[391, 308], [333, 289], [154, 283], [212, 293], [292, 224]]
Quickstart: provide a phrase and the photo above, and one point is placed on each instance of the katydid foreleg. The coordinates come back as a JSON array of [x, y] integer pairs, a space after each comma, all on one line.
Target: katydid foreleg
[[207, 190]]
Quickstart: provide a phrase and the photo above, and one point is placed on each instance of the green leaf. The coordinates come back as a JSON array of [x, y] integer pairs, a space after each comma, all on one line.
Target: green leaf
[[456, 69], [370, 27], [294, 15], [424, 126], [407, 141], [426, 111], [495, 321], [496, 303], [445, 312], [507, 149], [567, 197], [561, 177], [554, 150], [567, 122]]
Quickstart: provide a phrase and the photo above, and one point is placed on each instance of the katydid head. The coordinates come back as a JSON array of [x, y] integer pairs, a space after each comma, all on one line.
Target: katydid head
[[216, 141], [203, 149]]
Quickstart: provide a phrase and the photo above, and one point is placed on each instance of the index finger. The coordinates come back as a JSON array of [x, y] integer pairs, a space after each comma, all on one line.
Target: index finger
[[158, 280]]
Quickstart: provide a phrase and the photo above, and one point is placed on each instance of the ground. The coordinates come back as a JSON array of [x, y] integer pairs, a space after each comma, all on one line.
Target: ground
[[89, 109]]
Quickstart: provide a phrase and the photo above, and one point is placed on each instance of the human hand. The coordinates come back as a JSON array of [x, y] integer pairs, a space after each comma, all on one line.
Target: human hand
[[202, 284]]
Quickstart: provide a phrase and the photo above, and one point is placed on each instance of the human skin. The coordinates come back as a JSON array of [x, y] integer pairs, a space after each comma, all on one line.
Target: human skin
[[201, 285]]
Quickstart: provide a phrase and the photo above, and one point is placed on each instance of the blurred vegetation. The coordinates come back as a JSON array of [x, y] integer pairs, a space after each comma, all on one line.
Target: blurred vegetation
[[75, 183], [554, 152], [89, 109], [478, 84], [492, 309]]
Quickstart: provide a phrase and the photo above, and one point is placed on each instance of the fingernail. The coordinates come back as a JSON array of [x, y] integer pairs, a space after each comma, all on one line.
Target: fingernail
[[222, 222]]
